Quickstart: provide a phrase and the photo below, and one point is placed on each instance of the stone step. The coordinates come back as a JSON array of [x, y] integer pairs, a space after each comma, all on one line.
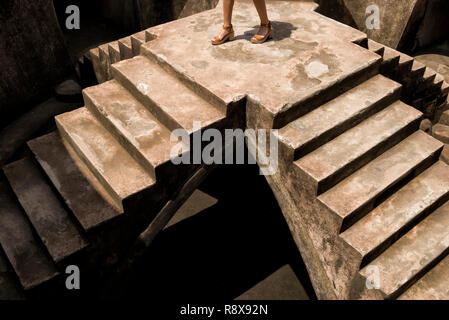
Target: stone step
[[376, 47], [49, 218], [114, 52], [438, 81], [100, 67], [414, 254], [391, 58], [27, 255], [117, 171], [137, 130], [358, 194], [125, 47], [395, 216], [79, 194], [333, 118], [418, 69], [148, 82], [429, 76], [137, 40], [339, 158], [434, 285], [405, 63], [283, 284], [105, 60], [445, 89]]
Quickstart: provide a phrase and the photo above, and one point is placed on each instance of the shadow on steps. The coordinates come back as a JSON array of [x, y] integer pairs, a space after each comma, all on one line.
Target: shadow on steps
[[224, 250]]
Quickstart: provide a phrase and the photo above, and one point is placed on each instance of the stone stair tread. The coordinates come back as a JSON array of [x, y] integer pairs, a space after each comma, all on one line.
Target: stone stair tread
[[398, 211], [133, 125], [114, 51], [391, 55], [137, 40], [88, 206], [49, 218], [376, 47], [445, 88], [418, 66], [108, 160], [414, 252], [405, 59], [429, 74], [28, 257], [150, 82], [125, 46], [434, 285], [322, 123], [326, 164], [384, 171]]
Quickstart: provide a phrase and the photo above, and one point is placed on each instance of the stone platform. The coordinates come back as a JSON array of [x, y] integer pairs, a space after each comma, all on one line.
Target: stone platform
[[360, 186]]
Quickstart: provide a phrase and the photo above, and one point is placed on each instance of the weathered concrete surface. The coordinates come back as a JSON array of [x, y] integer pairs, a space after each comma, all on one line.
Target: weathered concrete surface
[[351, 195], [379, 226], [68, 179], [197, 202], [49, 218], [307, 54], [332, 162], [414, 252], [29, 260], [341, 113], [399, 19], [437, 62], [111, 164], [433, 286], [281, 285]]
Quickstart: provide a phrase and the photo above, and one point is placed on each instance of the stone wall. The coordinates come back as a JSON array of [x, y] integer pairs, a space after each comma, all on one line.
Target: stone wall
[[405, 25], [135, 15], [32, 53]]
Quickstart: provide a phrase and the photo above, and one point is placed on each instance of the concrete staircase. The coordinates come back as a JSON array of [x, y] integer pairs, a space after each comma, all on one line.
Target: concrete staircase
[[361, 187], [87, 183], [380, 191]]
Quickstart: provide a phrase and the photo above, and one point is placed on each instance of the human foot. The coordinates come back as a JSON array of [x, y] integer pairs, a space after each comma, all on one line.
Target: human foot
[[227, 33], [265, 32]]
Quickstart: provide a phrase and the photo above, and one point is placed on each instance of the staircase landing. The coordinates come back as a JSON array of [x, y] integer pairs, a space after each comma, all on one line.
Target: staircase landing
[[307, 54]]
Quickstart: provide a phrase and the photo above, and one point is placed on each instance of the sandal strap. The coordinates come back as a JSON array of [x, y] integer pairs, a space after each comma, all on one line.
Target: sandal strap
[[266, 24], [227, 27]]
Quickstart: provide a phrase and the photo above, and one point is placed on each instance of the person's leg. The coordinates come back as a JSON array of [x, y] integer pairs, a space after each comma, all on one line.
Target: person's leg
[[261, 10], [228, 5], [265, 29]]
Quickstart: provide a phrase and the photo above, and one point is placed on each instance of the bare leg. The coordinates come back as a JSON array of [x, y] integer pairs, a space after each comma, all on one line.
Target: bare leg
[[261, 10], [228, 5]]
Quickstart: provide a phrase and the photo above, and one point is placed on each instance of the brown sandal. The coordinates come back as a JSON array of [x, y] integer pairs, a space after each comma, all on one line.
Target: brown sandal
[[257, 38], [227, 37]]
